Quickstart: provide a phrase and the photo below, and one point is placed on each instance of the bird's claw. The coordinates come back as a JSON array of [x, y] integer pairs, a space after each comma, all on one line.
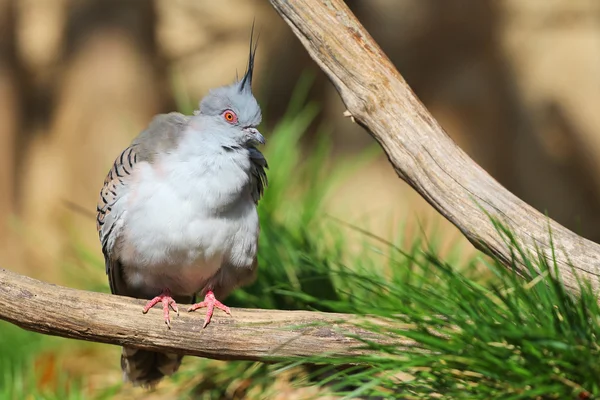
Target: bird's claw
[[210, 302], [167, 301]]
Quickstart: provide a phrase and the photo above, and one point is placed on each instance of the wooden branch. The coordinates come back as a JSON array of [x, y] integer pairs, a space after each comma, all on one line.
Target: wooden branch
[[246, 335], [422, 154]]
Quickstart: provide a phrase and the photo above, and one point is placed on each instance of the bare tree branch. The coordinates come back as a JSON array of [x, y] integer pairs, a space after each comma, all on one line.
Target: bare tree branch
[[247, 335], [423, 155]]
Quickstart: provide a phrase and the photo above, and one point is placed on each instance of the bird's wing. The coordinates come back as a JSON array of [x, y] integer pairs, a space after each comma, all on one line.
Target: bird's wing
[[111, 211], [259, 175], [160, 136]]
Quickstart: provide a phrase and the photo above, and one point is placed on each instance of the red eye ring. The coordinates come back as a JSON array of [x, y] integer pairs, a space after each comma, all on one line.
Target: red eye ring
[[230, 116]]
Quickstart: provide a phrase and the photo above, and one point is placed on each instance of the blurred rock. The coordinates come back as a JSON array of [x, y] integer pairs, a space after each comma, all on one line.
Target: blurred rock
[[513, 82], [108, 86]]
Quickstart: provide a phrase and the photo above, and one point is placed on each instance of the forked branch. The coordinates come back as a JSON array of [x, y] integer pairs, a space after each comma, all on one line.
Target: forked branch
[[421, 153]]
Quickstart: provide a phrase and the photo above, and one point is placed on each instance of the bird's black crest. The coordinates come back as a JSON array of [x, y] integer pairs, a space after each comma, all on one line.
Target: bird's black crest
[[246, 82]]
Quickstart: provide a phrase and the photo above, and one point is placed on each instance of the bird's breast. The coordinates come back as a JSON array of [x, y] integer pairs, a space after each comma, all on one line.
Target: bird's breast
[[182, 225]]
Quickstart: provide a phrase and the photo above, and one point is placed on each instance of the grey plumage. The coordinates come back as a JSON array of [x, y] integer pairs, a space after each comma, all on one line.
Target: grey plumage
[[177, 212]]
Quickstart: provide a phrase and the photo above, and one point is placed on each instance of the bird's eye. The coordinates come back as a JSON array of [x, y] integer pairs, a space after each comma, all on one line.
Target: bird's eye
[[230, 116]]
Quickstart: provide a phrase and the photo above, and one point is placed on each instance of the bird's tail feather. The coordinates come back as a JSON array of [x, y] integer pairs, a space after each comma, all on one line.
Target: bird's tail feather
[[146, 368]]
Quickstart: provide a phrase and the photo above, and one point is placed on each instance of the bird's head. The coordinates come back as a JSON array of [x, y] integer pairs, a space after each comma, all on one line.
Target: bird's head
[[233, 110]]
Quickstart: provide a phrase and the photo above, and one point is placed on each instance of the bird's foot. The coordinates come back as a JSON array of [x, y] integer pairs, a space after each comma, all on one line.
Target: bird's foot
[[210, 302], [167, 301]]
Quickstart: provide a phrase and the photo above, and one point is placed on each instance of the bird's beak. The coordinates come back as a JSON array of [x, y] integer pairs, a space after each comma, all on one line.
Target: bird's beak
[[255, 136]]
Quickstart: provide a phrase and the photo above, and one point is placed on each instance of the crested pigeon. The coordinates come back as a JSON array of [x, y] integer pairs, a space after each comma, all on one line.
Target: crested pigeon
[[177, 213]]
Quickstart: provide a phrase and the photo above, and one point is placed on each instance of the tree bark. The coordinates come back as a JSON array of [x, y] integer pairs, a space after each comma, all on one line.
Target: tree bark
[[422, 154], [248, 334]]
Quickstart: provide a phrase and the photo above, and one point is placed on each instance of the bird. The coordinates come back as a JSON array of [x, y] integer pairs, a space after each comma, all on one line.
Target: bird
[[177, 214]]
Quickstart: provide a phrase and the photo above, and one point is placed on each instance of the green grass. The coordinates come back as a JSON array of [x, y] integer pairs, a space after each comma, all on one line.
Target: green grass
[[483, 332], [19, 377]]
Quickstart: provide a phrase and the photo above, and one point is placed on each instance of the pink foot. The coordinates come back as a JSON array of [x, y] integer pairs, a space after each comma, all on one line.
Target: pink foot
[[210, 302], [167, 301]]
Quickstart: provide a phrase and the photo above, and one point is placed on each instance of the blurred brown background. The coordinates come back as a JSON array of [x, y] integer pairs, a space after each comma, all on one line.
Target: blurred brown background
[[515, 82]]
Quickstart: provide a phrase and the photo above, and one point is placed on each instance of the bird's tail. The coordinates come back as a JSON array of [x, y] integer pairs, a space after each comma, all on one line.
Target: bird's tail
[[146, 368]]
